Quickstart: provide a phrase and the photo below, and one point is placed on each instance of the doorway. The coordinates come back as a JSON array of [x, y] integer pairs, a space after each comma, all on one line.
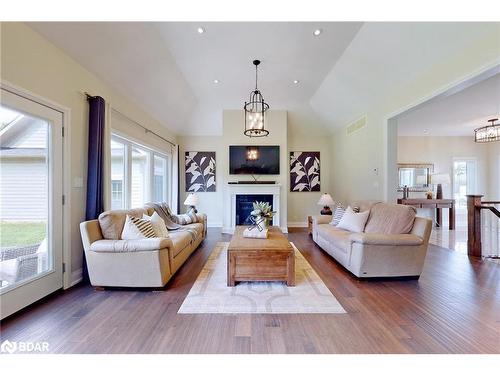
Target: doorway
[[464, 180], [31, 207]]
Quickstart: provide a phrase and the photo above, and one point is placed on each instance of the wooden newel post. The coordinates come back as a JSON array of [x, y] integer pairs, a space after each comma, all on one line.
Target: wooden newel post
[[474, 225]]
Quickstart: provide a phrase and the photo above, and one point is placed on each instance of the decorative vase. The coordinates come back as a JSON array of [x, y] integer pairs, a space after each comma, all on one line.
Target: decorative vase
[[264, 222]]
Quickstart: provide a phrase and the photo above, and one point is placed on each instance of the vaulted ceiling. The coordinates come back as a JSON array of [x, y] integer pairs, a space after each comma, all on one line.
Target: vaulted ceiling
[[169, 68], [455, 115]]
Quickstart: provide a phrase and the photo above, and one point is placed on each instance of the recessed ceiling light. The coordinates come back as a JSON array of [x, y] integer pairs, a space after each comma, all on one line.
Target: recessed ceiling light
[[296, 81], [200, 30], [317, 32], [216, 81]]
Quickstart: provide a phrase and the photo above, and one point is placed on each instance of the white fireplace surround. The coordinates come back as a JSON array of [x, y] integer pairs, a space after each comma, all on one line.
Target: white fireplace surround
[[232, 190]]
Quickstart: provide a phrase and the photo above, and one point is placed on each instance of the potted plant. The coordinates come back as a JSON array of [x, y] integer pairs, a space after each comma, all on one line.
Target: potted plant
[[262, 213]]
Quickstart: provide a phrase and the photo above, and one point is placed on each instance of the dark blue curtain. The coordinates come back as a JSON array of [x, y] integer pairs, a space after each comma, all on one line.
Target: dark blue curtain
[[95, 170]]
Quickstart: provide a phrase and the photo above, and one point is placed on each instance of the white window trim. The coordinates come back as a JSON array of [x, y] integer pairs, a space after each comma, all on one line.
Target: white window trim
[[129, 143]]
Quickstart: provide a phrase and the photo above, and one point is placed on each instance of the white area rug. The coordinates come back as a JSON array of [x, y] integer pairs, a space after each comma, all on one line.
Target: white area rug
[[211, 295]]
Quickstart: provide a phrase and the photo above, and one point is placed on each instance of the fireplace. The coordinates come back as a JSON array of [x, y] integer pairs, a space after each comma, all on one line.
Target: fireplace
[[244, 205], [253, 192]]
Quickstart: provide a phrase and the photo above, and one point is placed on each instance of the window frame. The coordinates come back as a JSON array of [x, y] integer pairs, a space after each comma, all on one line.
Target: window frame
[[130, 144]]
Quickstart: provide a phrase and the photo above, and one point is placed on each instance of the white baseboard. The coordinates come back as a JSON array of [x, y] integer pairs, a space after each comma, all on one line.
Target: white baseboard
[[297, 224], [76, 277]]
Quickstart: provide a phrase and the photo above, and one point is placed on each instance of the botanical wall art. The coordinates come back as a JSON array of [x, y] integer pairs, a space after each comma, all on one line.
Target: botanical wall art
[[200, 171], [304, 171]]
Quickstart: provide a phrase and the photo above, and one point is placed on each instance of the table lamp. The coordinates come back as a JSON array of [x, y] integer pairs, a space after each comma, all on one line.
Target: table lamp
[[326, 201], [192, 201], [440, 179]]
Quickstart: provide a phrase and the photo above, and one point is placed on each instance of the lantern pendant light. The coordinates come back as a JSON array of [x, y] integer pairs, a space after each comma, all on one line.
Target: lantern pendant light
[[255, 111]]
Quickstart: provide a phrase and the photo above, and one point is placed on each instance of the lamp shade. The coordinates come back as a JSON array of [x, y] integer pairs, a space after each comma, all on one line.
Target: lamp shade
[[326, 200], [440, 178], [191, 200]]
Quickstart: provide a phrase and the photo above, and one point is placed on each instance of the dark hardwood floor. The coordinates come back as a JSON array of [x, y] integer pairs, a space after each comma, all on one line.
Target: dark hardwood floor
[[453, 308]]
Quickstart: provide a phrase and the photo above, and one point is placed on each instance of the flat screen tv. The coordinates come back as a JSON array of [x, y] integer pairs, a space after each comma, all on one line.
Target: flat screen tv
[[254, 159]]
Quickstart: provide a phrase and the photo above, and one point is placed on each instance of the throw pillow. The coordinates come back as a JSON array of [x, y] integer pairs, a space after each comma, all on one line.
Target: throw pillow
[[187, 218], [337, 215], [158, 224], [136, 228], [352, 221]]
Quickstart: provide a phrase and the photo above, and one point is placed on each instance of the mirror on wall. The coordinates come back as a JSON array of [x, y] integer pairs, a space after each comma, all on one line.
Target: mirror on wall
[[416, 176]]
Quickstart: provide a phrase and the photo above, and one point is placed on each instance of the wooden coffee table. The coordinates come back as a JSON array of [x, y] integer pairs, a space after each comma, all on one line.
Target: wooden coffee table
[[255, 259]]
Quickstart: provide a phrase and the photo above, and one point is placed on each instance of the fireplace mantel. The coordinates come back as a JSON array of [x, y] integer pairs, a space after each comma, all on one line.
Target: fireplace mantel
[[232, 190]]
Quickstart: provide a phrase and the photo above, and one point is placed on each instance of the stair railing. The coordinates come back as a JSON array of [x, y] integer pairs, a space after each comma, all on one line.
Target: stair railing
[[474, 222]]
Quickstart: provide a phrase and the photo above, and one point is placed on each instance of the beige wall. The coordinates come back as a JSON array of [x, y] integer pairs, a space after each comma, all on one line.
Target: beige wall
[[302, 204], [294, 206], [356, 156], [32, 63], [441, 151], [232, 122]]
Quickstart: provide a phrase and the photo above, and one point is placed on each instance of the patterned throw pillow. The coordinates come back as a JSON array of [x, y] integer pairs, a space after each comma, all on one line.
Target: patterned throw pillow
[[136, 228], [158, 224], [337, 215], [355, 209], [187, 218]]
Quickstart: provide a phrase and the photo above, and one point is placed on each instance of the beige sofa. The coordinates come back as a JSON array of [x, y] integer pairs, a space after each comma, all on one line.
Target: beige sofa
[[149, 262], [394, 243]]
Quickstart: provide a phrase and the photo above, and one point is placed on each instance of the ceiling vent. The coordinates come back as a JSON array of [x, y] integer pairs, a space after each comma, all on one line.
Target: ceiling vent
[[356, 125]]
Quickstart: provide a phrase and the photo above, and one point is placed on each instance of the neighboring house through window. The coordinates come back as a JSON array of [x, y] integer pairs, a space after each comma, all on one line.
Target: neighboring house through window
[[139, 174]]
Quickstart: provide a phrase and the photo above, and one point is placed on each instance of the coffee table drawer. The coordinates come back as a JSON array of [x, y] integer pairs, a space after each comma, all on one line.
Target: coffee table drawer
[[259, 266]]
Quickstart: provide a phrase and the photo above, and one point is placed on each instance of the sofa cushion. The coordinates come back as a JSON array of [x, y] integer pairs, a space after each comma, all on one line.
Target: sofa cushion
[[120, 246], [353, 221], [158, 224], [112, 222], [197, 227], [180, 240], [136, 228], [339, 238], [390, 219], [337, 215]]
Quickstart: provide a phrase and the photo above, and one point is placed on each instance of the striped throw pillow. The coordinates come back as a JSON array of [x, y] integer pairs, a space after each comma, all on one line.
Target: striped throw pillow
[[187, 218], [337, 215], [136, 228]]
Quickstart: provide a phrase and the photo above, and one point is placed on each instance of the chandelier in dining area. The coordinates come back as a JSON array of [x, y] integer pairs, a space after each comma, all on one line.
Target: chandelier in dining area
[[488, 133]]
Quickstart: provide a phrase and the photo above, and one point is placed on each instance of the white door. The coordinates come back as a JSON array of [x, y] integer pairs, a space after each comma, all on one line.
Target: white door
[[31, 188], [464, 180]]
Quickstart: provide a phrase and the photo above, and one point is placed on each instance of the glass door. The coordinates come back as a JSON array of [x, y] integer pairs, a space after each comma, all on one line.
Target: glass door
[[30, 201], [464, 181]]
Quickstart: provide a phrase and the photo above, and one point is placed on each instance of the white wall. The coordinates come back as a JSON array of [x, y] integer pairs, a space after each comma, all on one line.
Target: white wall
[[356, 156], [233, 125], [295, 206], [31, 62], [441, 151]]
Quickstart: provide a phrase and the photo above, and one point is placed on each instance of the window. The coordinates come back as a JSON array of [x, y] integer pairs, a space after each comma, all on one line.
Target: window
[[138, 174], [117, 174], [140, 160], [160, 178]]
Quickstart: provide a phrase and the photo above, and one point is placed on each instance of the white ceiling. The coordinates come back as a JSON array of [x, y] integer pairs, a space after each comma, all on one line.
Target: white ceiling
[[455, 115], [387, 57], [168, 68]]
